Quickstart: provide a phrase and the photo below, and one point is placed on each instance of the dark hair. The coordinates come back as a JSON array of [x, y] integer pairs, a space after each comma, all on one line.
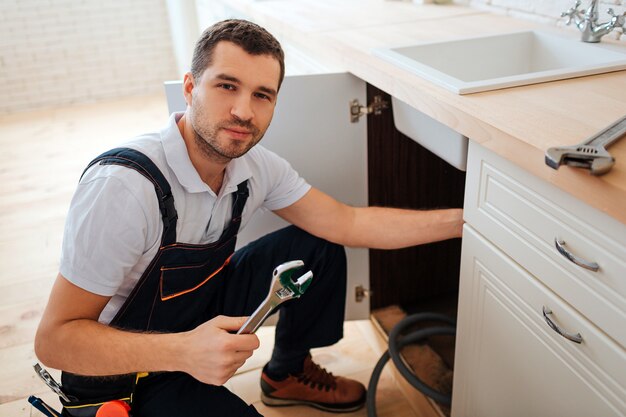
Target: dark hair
[[251, 37]]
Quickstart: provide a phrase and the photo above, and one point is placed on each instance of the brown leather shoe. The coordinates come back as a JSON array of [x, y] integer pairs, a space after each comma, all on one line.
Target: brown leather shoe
[[314, 387]]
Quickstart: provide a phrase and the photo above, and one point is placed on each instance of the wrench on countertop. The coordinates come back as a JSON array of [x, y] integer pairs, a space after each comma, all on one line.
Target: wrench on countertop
[[590, 154]]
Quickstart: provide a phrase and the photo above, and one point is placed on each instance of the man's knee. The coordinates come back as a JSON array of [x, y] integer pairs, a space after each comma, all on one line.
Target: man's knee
[[330, 249]]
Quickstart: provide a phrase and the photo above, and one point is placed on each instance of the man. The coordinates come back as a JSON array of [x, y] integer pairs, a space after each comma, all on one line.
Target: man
[[149, 292]]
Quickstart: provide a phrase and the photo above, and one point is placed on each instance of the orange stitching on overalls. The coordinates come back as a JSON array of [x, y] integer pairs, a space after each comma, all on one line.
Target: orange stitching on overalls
[[169, 297], [190, 246], [199, 246], [136, 288], [171, 268]]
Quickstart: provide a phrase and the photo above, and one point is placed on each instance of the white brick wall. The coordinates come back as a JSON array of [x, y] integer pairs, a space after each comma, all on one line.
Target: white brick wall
[[70, 51], [547, 11]]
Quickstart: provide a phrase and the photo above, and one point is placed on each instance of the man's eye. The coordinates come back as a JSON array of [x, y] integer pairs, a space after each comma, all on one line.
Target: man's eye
[[263, 96], [227, 86]]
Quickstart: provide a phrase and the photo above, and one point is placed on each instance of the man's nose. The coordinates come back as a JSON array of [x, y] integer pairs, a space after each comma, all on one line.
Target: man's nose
[[242, 108]]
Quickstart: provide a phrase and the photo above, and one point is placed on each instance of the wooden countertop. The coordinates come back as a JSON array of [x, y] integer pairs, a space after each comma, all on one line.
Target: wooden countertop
[[517, 123]]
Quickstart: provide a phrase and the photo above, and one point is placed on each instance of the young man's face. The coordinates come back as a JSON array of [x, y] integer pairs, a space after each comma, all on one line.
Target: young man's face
[[232, 103]]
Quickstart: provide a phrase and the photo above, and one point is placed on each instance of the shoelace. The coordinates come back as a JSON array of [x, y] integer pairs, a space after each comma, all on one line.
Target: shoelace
[[314, 374]]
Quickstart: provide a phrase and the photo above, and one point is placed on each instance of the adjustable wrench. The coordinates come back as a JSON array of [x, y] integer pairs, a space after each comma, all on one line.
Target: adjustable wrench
[[282, 288], [51, 382], [591, 154]]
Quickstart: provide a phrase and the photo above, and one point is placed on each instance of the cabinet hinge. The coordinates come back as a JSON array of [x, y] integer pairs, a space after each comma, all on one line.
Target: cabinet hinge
[[360, 293], [376, 107]]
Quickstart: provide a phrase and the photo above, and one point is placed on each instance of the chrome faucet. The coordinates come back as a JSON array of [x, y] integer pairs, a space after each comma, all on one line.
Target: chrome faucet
[[587, 21]]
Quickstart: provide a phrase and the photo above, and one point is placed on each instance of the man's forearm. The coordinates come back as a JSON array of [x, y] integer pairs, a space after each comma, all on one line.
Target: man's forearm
[[389, 228], [87, 347]]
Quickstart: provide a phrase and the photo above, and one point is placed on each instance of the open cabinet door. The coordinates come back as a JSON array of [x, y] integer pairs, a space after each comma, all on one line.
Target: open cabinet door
[[312, 130]]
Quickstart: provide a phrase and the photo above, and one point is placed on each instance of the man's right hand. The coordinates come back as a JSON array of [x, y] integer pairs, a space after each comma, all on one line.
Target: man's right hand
[[70, 338], [212, 353]]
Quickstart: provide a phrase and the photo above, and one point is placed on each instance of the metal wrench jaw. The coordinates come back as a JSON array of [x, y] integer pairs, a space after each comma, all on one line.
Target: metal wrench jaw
[[598, 160], [602, 165], [554, 157], [282, 288], [284, 273], [50, 381], [590, 154]]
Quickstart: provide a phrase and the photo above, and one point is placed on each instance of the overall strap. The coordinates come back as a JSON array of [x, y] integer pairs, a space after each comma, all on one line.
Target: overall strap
[[241, 196], [136, 160], [239, 201]]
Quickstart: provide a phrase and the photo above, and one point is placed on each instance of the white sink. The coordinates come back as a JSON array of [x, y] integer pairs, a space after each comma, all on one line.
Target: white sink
[[485, 63], [431, 134]]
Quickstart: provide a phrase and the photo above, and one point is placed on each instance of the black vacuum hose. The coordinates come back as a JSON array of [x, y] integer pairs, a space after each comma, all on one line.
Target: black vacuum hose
[[396, 343]]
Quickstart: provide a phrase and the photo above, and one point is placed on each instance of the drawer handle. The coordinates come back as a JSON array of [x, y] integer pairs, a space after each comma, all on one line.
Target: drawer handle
[[560, 246], [576, 338]]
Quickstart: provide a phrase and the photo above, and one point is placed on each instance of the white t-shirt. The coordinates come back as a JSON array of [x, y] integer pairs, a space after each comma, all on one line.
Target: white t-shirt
[[114, 227]]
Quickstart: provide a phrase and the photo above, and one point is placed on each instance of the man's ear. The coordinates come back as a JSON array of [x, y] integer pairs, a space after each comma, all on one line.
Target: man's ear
[[188, 86]]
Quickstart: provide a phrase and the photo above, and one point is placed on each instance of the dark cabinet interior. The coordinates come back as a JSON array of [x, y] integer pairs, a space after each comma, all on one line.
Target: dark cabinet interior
[[425, 278], [403, 174]]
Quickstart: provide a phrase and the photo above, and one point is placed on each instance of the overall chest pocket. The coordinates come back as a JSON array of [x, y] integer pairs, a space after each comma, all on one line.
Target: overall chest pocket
[[180, 280]]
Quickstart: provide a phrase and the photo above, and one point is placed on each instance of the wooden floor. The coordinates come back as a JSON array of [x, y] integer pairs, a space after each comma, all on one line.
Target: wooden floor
[[42, 154]]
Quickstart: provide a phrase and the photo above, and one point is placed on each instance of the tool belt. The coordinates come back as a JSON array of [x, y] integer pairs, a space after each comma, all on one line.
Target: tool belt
[[87, 394]]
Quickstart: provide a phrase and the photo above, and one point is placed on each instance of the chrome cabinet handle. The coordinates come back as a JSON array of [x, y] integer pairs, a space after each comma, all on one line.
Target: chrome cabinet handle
[[576, 338], [560, 246]]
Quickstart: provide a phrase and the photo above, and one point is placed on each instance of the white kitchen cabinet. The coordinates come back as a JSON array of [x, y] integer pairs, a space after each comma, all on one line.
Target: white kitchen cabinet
[[524, 215], [508, 360], [312, 130]]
